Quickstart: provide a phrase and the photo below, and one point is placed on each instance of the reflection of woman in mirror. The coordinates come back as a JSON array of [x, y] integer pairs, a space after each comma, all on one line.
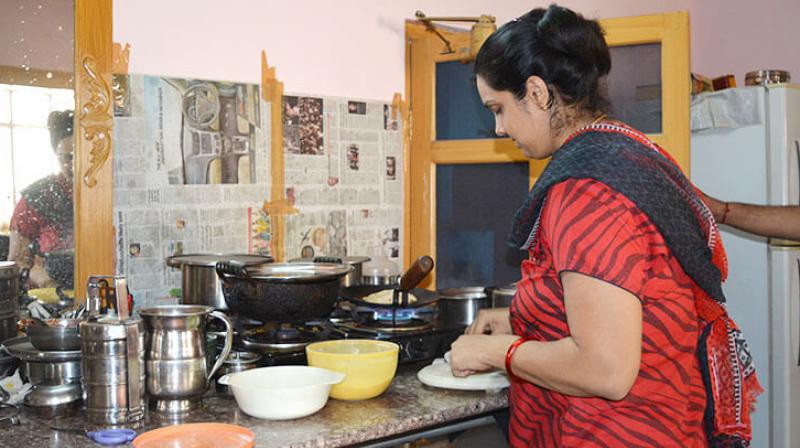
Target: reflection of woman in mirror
[[42, 223]]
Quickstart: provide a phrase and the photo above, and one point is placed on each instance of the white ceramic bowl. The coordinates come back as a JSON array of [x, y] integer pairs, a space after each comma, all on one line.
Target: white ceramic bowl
[[282, 392]]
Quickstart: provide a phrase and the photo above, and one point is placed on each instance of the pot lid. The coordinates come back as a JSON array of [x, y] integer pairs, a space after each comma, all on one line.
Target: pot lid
[[300, 272], [210, 260], [465, 293], [242, 358], [20, 347], [8, 269]]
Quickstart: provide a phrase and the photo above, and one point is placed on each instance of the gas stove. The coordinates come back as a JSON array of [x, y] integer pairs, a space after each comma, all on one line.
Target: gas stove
[[422, 344], [418, 334]]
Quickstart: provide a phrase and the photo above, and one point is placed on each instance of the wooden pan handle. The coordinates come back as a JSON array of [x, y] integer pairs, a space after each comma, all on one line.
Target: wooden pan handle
[[416, 272]]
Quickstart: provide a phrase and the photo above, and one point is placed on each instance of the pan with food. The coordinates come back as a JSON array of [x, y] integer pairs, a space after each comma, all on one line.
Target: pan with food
[[404, 295]]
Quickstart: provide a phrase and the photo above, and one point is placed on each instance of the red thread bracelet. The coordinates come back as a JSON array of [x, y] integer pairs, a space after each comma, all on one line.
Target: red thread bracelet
[[725, 213], [511, 349]]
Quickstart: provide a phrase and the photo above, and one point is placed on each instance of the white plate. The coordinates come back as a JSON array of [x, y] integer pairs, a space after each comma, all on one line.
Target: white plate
[[439, 374]]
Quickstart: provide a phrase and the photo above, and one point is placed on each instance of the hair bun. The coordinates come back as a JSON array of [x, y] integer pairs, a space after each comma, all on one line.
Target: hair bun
[[569, 33]]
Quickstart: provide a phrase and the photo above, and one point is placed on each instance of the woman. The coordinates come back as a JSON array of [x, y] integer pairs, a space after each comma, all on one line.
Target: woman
[[620, 291], [42, 223]]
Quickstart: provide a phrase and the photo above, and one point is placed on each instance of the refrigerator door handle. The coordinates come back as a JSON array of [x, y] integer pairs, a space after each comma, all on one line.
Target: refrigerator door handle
[[797, 154]]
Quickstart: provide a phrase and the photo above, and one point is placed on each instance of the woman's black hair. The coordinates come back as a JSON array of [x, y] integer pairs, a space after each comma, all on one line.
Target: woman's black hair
[[556, 44], [60, 125]]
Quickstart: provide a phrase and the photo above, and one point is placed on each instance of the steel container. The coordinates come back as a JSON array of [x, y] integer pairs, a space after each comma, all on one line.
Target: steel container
[[460, 306], [9, 299], [502, 295], [113, 370]]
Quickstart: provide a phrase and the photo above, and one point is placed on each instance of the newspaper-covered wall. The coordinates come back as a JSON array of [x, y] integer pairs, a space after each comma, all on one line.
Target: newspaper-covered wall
[[192, 172]]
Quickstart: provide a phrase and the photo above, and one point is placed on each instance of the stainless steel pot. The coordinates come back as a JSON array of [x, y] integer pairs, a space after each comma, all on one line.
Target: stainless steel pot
[[380, 271], [53, 335], [201, 284], [237, 362], [764, 77], [353, 278], [9, 299], [282, 292], [502, 295], [460, 306]]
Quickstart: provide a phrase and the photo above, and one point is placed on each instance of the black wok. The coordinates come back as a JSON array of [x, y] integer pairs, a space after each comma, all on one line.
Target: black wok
[[281, 292]]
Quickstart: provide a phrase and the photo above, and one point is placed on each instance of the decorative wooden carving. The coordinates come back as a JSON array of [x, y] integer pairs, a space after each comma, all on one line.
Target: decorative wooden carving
[[95, 119]]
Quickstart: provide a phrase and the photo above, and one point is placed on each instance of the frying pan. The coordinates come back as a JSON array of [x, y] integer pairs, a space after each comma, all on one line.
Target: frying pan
[[411, 278]]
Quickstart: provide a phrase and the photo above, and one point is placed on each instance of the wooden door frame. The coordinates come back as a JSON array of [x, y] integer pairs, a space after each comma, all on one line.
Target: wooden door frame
[[423, 153], [94, 122]]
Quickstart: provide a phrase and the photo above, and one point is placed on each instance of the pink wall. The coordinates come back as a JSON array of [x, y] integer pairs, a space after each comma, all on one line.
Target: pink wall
[[37, 34], [342, 47], [737, 36], [355, 47]]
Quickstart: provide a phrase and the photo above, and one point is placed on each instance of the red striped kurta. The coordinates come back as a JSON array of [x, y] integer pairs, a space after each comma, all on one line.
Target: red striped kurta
[[587, 227]]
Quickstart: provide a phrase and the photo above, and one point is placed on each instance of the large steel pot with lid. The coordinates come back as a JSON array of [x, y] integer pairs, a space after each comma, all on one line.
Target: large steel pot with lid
[[282, 292], [353, 278], [9, 298], [201, 284]]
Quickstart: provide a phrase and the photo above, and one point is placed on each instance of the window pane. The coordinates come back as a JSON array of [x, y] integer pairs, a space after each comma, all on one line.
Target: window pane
[[5, 105], [460, 113], [33, 156], [475, 205], [30, 106], [7, 199], [62, 99], [634, 86]]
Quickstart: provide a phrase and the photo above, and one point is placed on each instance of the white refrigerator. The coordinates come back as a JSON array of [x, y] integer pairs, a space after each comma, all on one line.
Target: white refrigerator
[[749, 152]]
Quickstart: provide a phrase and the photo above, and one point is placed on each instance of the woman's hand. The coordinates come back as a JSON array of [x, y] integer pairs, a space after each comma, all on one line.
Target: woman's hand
[[477, 353], [491, 321]]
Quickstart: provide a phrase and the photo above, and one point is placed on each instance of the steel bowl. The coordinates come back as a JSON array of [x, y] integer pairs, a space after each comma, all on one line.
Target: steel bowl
[[53, 335]]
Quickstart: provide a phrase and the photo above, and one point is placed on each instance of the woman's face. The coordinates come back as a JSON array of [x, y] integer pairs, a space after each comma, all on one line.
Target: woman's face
[[527, 122], [64, 152]]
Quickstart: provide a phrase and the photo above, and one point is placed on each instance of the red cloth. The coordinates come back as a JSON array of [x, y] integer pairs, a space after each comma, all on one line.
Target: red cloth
[[30, 224], [587, 227]]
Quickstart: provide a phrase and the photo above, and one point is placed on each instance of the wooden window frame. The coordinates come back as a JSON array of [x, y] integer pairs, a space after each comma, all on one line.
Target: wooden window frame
[[424, 152]]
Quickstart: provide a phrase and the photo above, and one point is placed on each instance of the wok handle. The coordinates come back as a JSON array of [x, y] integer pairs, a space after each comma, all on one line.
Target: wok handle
[[226, 349], [232, 268], [416, 272], [334, 260]]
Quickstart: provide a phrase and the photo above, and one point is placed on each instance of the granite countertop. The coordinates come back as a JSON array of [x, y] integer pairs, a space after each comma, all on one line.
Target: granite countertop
[[407, 406]]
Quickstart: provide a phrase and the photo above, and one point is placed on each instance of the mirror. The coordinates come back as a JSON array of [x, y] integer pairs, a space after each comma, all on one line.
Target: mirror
[[36, 140]]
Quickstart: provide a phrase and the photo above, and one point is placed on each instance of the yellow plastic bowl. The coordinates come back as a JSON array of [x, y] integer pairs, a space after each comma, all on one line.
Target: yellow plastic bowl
[[369, 365]]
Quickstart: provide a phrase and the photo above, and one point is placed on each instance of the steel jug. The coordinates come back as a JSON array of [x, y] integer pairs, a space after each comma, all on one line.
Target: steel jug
[[175, 358]]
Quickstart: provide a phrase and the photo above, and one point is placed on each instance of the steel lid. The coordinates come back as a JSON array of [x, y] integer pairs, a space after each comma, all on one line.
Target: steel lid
[[242, 358], [8, 270], [20, 347], [464, 293], [301, 272], [210, 260]]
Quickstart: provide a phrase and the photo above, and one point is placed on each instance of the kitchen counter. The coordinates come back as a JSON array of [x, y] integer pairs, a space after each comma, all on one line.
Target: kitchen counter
[[407, 408]]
